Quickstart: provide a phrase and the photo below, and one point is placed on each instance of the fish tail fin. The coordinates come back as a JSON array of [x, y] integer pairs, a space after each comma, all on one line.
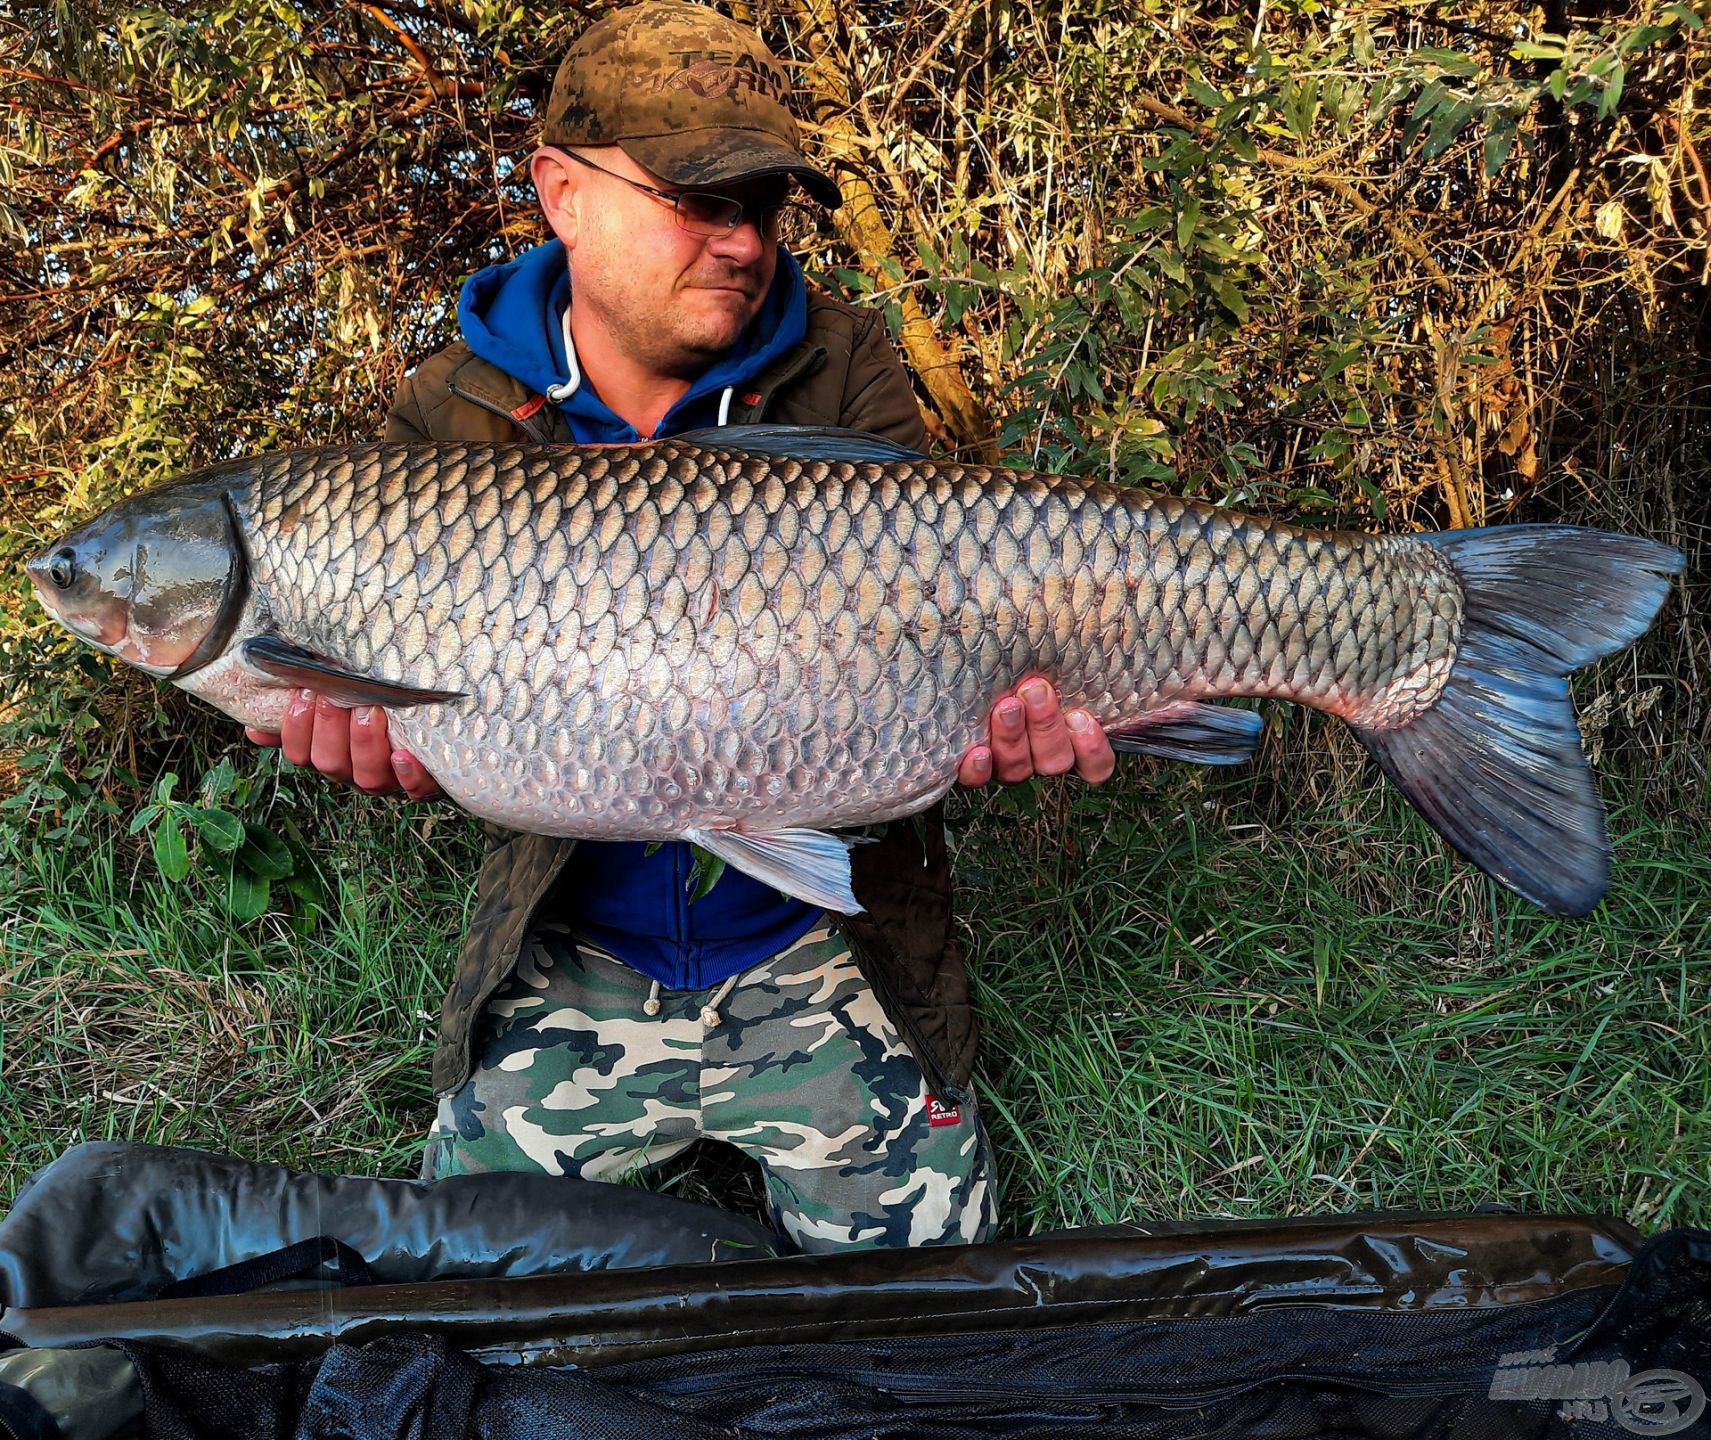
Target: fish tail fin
[[1496, 764]]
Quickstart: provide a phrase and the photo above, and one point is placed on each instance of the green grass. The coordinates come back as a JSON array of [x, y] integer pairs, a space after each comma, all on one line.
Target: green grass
[[1257, 992], [1203, 1013]]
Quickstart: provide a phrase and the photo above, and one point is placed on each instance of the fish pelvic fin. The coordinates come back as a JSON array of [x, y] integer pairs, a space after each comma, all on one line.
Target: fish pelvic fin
[[1496, 764], [1194, 731], [812, 865]]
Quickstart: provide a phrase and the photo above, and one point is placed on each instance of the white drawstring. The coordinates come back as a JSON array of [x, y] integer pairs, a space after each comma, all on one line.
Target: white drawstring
[[710, 1016], [560, 393], [710, 1011], [725, 405]]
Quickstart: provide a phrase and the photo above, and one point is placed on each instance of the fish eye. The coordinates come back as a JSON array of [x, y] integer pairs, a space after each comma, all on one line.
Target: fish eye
[[62, 569]]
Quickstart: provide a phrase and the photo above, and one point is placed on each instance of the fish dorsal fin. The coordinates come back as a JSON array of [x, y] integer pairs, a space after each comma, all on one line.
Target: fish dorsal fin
[[800, 442], [812, 865], [297, 666]]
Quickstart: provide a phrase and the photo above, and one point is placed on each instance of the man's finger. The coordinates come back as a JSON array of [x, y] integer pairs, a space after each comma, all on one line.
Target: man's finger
[[418, 784], [1094, 758], [976, 768], [297, 730], [1048, 735], [330, 751], [263, 737], [371, 751], [1011, 758]]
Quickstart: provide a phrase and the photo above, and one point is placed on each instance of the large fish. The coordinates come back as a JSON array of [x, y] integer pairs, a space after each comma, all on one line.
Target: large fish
[[750, 638]]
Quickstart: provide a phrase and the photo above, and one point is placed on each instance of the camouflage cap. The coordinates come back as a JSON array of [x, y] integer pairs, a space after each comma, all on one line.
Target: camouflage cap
[[681, 89]]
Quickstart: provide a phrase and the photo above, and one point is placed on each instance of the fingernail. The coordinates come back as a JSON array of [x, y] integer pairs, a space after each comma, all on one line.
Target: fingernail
[[363, 715], [402, 763], [981, 760], [301, 701], [1034, 694], [1010, 714], [1079, 722]]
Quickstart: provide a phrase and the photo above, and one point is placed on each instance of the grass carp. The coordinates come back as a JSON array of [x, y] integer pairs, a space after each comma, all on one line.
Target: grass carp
[[749, 638]]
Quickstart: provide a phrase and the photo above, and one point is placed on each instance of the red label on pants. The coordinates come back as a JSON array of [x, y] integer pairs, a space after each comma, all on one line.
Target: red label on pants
[[941, 1114]]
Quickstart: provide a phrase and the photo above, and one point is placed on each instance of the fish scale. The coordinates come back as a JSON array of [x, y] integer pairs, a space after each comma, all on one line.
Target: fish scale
[[752, 637], [687, 596]]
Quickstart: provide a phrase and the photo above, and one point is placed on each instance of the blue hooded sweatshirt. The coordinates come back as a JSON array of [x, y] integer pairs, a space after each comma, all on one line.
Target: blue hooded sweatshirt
[[615, 895]]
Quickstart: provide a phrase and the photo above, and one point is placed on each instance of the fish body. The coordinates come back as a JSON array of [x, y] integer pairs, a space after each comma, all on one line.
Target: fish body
[[751, 647]]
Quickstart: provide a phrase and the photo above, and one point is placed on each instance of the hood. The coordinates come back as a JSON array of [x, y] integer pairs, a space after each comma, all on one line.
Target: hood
[[512, 317]]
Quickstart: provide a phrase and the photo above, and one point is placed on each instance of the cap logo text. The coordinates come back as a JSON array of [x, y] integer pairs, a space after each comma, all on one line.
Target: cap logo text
[[715, 74]]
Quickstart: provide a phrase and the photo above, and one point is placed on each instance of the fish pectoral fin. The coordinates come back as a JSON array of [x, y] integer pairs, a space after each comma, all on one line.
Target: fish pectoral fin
[[812, 865], [800, 442], [1204, 734], [297, 666]]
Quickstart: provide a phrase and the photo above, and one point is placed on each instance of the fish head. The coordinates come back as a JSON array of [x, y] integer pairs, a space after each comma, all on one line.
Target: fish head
[[157, 581]]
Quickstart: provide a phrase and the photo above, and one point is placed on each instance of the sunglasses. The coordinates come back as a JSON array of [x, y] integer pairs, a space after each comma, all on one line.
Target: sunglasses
[[703, 213]]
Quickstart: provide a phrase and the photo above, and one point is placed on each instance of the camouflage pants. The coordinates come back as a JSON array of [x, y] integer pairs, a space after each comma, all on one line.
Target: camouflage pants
[[803, 1072]]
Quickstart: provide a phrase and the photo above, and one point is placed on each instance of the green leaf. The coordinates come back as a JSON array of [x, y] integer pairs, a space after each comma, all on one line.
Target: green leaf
[[217, 782], [170, 851], [1186, 221], [1612, 96], [1242, 145], [246, 895], [704, 875], [1431, 96], [1498, 144], [1451, 62], [1446, 125], [264, 854], [220, 828], [1229, 296], [1204, 94]]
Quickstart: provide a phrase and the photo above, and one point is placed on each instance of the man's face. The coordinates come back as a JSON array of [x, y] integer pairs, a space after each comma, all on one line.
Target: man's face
[[669, 299]]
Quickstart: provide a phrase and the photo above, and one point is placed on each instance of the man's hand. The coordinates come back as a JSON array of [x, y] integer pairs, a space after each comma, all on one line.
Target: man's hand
[[1030, 735], [351, 746]]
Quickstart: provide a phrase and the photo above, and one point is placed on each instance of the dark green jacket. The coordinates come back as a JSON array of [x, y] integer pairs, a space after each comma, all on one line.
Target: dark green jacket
[[844, 373]]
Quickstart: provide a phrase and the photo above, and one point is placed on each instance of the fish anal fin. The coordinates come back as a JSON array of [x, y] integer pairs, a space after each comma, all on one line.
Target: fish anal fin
[[812, 865], [297, 666], [1195, 731]]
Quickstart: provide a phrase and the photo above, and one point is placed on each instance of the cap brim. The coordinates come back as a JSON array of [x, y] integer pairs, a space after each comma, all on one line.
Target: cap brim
[[723, 157]]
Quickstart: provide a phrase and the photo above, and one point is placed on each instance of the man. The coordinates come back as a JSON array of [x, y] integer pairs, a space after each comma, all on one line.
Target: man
[[601, 1019]]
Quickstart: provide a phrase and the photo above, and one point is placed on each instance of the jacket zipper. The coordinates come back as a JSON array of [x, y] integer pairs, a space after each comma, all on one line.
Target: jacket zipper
[[492, 409], [917, 1389]]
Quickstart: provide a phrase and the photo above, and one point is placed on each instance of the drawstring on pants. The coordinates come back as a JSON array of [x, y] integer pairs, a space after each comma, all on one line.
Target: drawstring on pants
[[710, 1016]]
